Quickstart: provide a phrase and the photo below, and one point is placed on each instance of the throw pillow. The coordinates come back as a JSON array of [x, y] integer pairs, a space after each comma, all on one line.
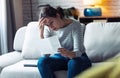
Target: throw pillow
[[31, 43], [102, 40]]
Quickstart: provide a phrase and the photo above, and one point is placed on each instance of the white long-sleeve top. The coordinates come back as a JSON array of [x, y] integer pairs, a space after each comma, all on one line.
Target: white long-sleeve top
[[71, 37]]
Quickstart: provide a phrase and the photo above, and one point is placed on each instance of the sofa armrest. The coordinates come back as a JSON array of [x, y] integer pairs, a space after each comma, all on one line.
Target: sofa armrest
[[10, 58]]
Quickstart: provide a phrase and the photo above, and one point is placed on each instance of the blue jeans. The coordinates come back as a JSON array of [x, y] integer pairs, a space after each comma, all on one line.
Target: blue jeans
[[47, 65]]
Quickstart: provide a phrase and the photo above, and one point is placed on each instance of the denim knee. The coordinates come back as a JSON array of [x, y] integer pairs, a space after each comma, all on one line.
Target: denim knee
[[41, 62], [76, 66], [71, 62]]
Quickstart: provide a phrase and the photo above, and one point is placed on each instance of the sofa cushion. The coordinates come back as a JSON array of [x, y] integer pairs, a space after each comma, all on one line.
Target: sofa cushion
[[19, 39], [102, 40], [9, 58], [19, 71], [31, 49]]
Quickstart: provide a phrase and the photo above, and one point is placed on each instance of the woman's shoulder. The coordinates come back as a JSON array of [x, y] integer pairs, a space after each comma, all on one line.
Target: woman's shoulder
[[77, 24]]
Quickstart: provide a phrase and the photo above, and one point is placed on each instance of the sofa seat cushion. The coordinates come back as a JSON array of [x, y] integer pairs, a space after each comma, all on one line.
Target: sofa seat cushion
[[102, 40], [9, 58], [19, 71]]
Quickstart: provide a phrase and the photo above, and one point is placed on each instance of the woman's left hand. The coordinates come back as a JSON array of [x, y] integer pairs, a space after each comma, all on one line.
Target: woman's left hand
[[66, 53]]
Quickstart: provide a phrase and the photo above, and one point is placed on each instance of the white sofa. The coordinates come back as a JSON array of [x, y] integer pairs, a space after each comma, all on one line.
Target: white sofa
[[101, 40]]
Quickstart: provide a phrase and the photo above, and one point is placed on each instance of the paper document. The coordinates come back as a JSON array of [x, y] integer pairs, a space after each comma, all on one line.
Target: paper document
[[49, 45]]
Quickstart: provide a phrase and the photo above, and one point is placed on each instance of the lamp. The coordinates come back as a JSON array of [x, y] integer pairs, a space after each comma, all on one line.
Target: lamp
[[92, 10], [92, 2]]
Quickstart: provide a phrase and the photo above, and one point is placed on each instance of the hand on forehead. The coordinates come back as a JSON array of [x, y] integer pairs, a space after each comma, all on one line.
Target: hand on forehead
[[45, 21]]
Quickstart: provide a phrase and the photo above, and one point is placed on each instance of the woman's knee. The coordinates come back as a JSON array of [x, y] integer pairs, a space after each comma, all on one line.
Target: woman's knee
[[72, 62], [42, 61], [77, 62]]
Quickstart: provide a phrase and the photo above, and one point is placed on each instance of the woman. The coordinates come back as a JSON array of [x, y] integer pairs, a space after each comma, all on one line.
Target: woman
[[71, 56]]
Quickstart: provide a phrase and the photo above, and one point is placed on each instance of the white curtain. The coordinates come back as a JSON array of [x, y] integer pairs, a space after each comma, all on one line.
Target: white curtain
[[3, 28]]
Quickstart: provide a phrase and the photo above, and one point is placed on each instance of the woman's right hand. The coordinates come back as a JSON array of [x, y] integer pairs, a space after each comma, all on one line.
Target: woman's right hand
[[41, 27]]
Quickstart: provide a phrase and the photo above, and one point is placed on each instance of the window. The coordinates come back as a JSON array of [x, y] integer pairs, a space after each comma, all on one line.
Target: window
[[3, 31]]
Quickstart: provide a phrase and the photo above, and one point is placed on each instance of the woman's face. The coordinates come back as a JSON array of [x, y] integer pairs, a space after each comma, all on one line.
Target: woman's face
[[53, 23]]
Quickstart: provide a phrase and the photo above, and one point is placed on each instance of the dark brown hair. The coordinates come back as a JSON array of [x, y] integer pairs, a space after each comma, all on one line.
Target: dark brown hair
[[49, 11]]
